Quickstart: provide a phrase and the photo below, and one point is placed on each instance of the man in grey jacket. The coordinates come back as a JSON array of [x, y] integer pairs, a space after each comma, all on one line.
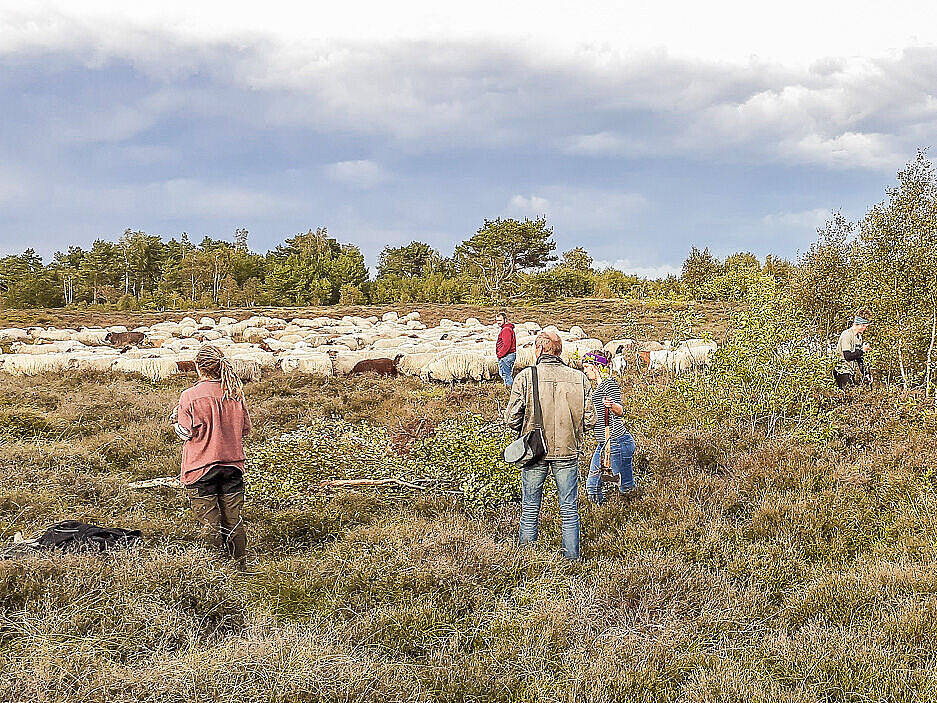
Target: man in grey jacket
[[566, 405]]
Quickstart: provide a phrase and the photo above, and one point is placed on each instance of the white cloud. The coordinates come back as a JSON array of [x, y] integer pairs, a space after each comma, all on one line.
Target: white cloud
[[427, 78], [530, 206], [173, 198], [606, 143], [805, 218], [644, 271], [579, 208], [723, 30], [847, 150], [357, 174]]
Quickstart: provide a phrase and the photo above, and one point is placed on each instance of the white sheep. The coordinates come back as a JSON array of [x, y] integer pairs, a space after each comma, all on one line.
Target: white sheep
[[311, 363], [526, 356], [91, 336], [13, 334], [155, 369], [413, 364], [91, 362], [55, 335], [453, 368], [48, 348], [618, 364], [263, 359], [33, 364], [614, 346], [246, 369]]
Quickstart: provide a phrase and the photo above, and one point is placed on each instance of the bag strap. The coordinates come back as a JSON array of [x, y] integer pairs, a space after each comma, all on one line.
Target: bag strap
[[538, 415]]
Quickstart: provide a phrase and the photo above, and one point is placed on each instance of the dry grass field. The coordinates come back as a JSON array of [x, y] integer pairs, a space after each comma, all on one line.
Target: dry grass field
[[747, 568]]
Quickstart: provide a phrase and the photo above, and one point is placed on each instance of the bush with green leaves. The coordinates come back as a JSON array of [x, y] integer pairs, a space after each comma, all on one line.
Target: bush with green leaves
[[766, 375], [462, 456]]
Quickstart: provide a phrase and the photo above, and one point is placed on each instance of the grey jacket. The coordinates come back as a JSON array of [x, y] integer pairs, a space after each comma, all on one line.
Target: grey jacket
[[565, 401]]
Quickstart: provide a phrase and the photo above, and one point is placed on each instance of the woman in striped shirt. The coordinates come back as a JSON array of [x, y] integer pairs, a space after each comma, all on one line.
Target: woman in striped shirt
[[607, 399]]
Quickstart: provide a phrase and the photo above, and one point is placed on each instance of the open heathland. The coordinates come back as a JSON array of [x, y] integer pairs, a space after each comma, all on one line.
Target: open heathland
[[756, 562]]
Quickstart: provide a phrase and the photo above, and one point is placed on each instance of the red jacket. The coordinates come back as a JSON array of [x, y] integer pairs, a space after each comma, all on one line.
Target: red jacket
[[217, 427], [507, 342]]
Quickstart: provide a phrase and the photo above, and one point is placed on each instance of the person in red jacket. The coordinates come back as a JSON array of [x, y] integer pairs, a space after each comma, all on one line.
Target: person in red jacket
[[506, 349], [212, 419]]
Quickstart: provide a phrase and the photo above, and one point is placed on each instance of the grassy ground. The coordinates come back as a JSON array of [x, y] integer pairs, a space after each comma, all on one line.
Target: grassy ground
[[748, 569]]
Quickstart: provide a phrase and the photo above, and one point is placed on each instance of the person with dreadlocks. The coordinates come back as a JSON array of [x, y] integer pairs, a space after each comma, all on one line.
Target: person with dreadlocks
[[211, 419], [606, 396]]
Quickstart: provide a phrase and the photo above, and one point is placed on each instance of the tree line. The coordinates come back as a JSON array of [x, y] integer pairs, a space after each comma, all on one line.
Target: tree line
[[506, 259], [886, 261]]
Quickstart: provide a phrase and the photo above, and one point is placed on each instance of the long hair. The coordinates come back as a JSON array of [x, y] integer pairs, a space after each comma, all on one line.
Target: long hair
[[212, 362]]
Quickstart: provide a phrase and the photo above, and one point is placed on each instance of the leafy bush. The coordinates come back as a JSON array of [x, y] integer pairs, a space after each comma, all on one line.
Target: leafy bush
[[765, 376], [286, 468]]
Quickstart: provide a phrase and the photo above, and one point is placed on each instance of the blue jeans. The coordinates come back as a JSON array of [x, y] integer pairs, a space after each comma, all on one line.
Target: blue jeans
[[622, 459], [506, 368], [566, 474]]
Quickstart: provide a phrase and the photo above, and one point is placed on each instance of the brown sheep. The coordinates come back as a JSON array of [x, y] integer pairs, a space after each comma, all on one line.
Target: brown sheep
[[186, 366], [123, 339], [382, 367]]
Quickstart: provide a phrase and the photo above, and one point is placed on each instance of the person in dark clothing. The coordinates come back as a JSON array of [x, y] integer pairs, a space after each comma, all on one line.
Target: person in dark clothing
[[851, 350], [506, 349]]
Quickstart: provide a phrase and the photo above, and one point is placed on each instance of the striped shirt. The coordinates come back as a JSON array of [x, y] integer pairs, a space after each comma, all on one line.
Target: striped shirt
[[610, 388]]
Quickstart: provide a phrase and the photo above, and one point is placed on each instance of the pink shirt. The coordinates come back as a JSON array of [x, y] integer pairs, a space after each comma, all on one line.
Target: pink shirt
[[217, 427]]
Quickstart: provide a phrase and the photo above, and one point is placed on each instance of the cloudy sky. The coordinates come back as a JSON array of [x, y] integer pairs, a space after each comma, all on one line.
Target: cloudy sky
[[639, 129]]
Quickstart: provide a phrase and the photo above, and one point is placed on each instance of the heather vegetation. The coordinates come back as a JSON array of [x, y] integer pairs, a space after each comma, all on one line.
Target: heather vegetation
[[781, 546]]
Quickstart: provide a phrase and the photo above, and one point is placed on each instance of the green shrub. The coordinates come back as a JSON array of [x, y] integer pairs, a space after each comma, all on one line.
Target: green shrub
[[462, 455]]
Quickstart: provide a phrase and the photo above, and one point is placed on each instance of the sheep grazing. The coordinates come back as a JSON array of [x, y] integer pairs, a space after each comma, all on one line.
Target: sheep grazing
[[453, 368], [526, 356], [53, 335], [155, 369], [92, 337], [381, 367], [91, 362], [312, 364], [394, 344], [617, 346], [413, 364], [33, 364], [13, 334], [246, 369], [48, 348], [123, 339]]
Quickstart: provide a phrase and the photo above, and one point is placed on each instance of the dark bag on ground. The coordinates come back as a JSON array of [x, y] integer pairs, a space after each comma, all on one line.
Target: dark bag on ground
[[529, 448], [72, 535]]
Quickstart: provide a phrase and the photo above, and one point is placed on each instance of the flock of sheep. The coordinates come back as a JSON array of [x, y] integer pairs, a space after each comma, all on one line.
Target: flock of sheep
[[322, 346]]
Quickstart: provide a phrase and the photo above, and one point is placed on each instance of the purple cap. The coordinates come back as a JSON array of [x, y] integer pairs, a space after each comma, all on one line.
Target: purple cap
[[595, 357]]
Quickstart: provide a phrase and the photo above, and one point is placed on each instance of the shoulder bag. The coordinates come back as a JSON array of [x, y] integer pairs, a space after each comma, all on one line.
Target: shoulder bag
[[529, 448]]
